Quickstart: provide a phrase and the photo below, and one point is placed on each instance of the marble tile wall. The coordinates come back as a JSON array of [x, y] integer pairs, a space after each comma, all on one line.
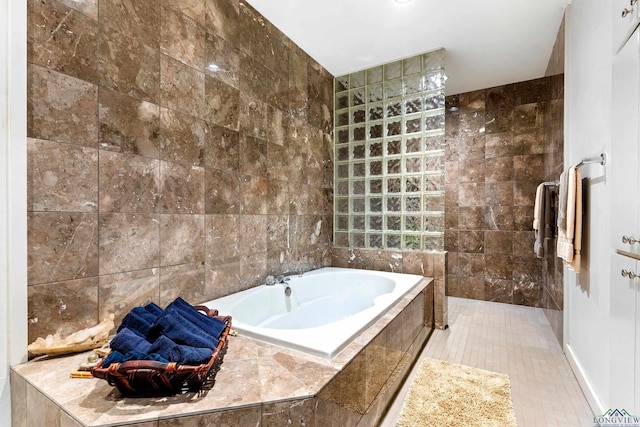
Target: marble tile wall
[[174, 149], [552, 267], [501, 143], [428, 264]]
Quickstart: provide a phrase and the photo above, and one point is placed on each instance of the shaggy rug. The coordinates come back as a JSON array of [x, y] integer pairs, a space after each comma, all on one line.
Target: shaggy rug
[[446, 394]]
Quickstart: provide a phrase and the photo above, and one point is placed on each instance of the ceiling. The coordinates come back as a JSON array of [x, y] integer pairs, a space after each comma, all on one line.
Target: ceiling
[[488, 42]]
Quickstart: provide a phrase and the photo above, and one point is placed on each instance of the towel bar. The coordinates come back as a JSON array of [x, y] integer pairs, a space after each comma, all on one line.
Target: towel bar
[[602, 159]]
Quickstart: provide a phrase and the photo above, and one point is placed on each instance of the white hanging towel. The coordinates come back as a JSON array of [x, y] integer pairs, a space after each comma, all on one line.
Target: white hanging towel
[[577, 240], [567, 219]]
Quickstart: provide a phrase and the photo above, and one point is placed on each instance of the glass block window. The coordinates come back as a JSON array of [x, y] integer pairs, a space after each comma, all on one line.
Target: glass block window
[[389, 156]]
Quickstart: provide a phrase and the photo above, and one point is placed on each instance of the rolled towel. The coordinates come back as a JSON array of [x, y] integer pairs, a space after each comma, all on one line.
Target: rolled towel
[[117, 357], [179, 329], [182, 354], [126, 340], [210, 325], [153, 309], [137, 321]]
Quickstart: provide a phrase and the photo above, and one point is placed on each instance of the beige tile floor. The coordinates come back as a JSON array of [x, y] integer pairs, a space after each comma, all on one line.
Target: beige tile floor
[[516, 341]]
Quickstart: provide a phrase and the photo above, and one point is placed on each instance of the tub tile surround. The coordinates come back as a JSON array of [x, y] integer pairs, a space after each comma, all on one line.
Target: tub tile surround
[[153, 173], [501, 143], [258, 384]]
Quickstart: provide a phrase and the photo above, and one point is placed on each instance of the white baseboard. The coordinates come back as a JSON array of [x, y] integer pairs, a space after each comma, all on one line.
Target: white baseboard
[[589, 392]]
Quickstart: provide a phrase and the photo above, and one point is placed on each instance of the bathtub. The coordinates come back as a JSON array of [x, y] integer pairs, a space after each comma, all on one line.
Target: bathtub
[[325, 310]]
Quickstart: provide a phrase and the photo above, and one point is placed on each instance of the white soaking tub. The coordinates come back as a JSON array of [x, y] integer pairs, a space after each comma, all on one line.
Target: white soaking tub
[[325, 310]]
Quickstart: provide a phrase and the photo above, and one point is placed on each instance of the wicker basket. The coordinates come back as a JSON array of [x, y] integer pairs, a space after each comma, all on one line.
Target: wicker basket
[[142, 378]]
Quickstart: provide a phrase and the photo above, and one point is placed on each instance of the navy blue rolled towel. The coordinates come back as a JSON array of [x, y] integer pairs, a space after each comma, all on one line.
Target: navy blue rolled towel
[[138, 322], [126, 340], [145, 314], [210, 325], [179, 329], [181, 354], [153, 309], [117, 357]]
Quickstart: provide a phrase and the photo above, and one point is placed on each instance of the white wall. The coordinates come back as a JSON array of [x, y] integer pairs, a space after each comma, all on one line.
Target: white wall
[[13, 195], [588, 84]]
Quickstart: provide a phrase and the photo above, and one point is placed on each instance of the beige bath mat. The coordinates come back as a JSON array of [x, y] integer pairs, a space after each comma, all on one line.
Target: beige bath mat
[[446, 394]]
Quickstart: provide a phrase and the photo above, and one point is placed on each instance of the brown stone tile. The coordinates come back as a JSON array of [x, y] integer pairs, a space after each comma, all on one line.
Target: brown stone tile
[[278, 125], [254, 195], [222, 18], [498, 267], [222, 279], [524, 193], [498, 242], [222, 238], [181, 188], [528, 117], [128, 125], [418, 263], [466, 287], [181, 239], [531, 91], [277, 232], [139, 20], [293, 413], [62, 39], [253, 116], [41, 411], [472, 101], [253, 234], [128, 64], [471, 241], [61, 177], [253, 156], [502, 144], [221, 192], [222, 150], [523, 243], [253, 270], [61, 246], [470, 265], [499, 169], [128, 183], [252, 76], [298, 198], [471, 194], [63, 307], [499, 98], [451, 241], [18, 399], [181, 36], [277, 197], [182, 138], [185, 280], [499, 218], [222, 60], [529, 168], [128, 242], [523, 218], [471, 218], [471, 146], [61, 108], [119, 293], [89, 7], [527, 292], [470, 171], [498, 290], [182, 88], [499, 193], [222, 103]]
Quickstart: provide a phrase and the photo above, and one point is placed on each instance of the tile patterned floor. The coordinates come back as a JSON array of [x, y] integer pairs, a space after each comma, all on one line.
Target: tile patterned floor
[[516, 341]]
